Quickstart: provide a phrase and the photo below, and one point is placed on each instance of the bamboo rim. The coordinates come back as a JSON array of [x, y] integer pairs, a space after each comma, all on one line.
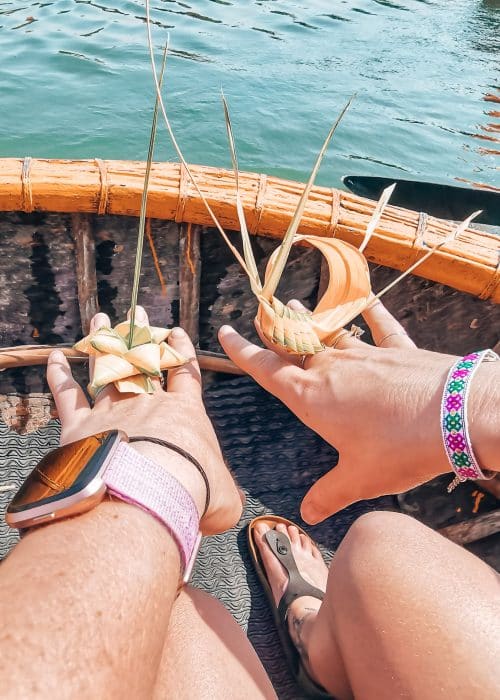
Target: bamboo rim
[[29, 355], [470, 263]]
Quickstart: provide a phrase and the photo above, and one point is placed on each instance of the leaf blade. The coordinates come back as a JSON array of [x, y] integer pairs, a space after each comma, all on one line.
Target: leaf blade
[[245, 236], [272, 282]]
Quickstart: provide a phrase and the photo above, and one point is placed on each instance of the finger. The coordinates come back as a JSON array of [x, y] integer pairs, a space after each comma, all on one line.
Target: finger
[[185, 379], [345, 339], [141, 317], [335, 490], [297, 305], [100, 320], [272, 372], [69, 397], [287, 357], [386, 331]]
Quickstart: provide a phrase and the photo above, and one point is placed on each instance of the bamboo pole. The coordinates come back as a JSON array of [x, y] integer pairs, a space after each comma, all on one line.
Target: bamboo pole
[[471, 263], [27, 355]]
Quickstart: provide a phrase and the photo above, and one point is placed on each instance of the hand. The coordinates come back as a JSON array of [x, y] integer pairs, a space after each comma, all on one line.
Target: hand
[[176, 415], [379, 406]]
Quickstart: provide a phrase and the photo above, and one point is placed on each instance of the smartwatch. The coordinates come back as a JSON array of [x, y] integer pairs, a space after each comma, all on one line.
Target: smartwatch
[[76, 477]]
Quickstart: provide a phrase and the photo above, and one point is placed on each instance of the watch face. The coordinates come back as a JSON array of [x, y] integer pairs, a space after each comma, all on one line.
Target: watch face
[[63, 478]]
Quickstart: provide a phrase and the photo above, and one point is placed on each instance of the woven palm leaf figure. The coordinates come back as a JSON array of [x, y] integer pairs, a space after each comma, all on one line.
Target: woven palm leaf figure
[[348, 292]]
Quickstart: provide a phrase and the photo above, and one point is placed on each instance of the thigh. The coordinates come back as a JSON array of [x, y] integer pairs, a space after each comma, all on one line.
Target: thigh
[[413, 614], [207, 655]]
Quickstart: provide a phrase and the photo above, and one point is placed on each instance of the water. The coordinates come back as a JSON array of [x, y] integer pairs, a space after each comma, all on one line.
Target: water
[[75, 83]]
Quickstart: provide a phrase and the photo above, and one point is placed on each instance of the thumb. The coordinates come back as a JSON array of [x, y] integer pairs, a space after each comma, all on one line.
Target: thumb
[[272, 372], [69, 397], [336, 490]]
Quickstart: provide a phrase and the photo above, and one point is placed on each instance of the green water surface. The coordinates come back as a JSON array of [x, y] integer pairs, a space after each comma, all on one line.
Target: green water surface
[[75, 82]]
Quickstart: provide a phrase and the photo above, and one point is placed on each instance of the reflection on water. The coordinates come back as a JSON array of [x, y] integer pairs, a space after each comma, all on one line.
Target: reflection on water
[[75, 82]]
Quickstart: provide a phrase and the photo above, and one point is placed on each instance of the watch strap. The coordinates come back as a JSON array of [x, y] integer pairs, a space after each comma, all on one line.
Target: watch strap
[[135, 479]]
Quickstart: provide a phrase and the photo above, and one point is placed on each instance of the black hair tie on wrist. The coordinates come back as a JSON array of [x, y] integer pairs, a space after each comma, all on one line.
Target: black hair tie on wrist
[[183, 453]]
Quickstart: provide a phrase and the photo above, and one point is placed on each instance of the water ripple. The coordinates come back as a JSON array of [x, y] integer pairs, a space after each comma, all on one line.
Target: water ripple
[[421, 91]]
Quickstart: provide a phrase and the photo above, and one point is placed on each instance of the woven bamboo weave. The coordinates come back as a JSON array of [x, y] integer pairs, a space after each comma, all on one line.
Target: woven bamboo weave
[[470, 263]]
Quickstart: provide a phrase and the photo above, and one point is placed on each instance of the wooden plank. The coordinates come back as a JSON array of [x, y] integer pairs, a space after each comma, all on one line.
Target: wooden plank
[[86, 275], [189, 279], [491, 485], [474, 529]]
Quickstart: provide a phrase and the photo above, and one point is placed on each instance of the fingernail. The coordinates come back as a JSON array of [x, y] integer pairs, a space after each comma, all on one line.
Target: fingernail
[[224, 330], [296, 305], [56, 356], [140, 314], [178, 333], [98, 321], [309, 513]]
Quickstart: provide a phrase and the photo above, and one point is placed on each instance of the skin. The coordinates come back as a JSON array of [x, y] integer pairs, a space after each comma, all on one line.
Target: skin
[[406, 613], [84, 615], [388, 397], [76, 594]]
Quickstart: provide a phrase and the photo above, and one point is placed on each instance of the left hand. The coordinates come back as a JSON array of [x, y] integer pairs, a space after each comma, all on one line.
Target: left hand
[[176, 415], [379, 406]]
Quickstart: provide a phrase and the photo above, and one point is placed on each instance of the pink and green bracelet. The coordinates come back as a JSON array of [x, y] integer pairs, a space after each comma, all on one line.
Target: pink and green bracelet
[[454, 422]]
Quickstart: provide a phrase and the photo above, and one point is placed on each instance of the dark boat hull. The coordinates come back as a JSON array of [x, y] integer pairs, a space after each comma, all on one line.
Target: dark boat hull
[[442, 201]]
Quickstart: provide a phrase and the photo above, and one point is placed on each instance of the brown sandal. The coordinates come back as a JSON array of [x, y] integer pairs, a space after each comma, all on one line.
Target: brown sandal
[[280, 545]]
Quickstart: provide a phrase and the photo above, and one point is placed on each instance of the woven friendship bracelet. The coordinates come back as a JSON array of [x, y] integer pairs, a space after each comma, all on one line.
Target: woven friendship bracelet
[[454, 422]]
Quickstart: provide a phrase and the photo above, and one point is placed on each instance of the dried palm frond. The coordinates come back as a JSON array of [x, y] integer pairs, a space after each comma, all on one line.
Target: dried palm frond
[[128, 357], [130, 354], [460, 228], [292, 330], [349, 290]]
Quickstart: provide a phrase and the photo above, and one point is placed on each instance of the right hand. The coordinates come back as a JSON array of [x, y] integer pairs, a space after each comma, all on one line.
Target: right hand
[[176, 415], [379, 406]]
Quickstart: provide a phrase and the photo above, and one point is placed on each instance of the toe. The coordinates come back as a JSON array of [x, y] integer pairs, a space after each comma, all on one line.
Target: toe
[[305, 543], [294, 535], [275, 573], [316, 552], [261, 529]]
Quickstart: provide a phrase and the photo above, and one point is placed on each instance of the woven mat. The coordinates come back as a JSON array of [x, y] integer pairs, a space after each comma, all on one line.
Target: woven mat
[[274, 458]]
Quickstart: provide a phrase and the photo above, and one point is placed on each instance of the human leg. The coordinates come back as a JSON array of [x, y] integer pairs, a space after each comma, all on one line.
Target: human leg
[[406, 614], [207, 655]]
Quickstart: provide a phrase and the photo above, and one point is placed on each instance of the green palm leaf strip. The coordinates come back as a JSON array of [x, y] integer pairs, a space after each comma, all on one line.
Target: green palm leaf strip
[[253, 273], [144, 201], [163, 111], [284, 250]]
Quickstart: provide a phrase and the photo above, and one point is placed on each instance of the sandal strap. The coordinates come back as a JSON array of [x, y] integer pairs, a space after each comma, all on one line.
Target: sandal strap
[[281, 547]]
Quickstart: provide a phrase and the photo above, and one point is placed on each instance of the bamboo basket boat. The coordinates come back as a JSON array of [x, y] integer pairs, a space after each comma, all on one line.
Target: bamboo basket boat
[[67, 232], [67, 238]]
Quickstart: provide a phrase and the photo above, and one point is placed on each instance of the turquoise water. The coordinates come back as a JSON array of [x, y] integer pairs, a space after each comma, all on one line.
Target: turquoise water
[[75, 83]]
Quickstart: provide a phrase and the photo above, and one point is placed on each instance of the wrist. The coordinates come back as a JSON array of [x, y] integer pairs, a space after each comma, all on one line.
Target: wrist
[[483, 420], [180, 467]]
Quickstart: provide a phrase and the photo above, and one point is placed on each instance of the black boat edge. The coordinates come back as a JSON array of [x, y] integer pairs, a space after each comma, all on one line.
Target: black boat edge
[[442, 201]]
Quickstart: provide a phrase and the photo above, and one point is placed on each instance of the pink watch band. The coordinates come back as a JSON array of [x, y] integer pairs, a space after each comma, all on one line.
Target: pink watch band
[[133, 478]]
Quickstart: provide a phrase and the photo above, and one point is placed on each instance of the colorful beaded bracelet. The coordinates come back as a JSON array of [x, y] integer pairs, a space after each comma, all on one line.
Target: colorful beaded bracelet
[[454, 423]]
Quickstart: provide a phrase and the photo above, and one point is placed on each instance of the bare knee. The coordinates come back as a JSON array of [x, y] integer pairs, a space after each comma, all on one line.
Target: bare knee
[[379, 543], [383, 527]]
